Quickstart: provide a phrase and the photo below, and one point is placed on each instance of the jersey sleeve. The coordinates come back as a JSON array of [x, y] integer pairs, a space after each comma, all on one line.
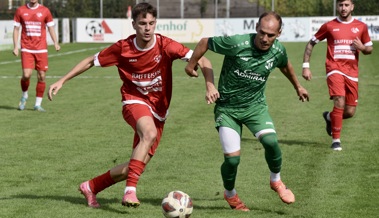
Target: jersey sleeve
[[283, 57], [226, 45], [108, 56], [49, 18], [321, 33], [366, 40], [177, 50], [17, 18]]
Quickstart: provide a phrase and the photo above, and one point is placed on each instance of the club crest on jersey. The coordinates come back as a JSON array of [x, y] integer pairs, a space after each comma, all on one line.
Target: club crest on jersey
[[269, 64], [354, 30], [158, 58], [39, 14]]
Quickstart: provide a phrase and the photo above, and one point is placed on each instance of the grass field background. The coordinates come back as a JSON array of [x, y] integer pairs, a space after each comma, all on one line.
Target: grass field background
[[45, 156]]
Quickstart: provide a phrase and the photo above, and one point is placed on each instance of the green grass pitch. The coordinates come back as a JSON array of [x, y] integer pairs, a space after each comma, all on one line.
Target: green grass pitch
[[45, 156]]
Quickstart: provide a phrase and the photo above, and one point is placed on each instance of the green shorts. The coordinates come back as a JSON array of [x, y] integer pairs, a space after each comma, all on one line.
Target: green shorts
[[256, 118]]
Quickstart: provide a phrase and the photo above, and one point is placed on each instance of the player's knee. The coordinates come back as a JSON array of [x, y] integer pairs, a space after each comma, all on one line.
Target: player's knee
[[269, 141], [348, 114], [149, 136], [233, 161]]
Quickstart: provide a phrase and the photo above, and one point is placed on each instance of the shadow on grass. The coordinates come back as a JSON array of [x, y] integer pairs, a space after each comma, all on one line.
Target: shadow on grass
[[253, 209], [77, 200], [226, 208], [317, 144], [314, 144], [153, 201], [5, 107]]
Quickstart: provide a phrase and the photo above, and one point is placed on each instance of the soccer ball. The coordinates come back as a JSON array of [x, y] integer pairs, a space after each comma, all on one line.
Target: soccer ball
[[177, 204]]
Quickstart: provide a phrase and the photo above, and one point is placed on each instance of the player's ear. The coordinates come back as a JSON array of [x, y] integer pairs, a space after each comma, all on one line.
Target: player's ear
[[279, 32], [133, 24]]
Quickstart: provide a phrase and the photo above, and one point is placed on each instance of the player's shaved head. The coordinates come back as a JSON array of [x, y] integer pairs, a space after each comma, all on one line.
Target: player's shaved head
[[269, 15]]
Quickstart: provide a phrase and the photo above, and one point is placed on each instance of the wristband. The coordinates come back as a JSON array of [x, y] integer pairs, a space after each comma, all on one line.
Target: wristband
[[306, 65]]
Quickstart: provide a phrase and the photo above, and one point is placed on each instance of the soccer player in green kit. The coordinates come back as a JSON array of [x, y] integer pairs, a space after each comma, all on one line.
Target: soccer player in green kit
[[248, 61]]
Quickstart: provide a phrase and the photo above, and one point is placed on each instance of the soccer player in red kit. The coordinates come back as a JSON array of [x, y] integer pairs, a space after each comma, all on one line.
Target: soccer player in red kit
[[33, 18], [346, 37], [144, 61]]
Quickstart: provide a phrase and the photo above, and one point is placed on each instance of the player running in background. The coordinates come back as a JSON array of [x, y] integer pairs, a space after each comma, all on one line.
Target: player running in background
[[144, 62], [346, 37], [33, 18], [249, 60]]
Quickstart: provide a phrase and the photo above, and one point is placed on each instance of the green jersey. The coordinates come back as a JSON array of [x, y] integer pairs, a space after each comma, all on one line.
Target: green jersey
[[245, 69]]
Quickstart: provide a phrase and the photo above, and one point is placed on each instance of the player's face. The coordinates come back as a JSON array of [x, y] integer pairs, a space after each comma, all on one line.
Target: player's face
[[33, 2], [145, 28], [267, 31], [344, 9]]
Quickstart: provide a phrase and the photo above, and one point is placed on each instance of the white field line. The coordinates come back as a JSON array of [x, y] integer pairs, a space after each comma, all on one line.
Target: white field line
[[58, 54]]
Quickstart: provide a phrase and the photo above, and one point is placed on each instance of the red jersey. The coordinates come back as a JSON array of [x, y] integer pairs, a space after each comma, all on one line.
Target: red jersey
[[33, 22], [341, 55], [146, 73]]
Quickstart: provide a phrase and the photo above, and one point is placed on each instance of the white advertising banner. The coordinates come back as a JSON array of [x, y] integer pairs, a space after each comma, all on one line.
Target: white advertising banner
[[227, 27], [65, 30], [101, 30], [6, 34], [295, 29], [185, 30]]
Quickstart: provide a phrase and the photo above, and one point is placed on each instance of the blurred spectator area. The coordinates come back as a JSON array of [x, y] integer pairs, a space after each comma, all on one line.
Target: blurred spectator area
[[167, 8]]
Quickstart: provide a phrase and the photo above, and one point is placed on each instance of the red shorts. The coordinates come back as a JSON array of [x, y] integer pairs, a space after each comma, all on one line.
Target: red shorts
[[37, 61], [340, 85], [131, 114]]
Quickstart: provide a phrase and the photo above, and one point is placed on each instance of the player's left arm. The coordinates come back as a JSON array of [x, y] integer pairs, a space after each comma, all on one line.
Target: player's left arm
[[365, 49], [54, 38], [289, 72]]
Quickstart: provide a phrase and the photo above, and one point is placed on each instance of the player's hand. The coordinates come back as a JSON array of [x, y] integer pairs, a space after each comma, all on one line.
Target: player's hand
[[191, 71], [302, 93], [57, 47], [15, 52], [53, 90], [212, 94], [357, 43], [307, 74]]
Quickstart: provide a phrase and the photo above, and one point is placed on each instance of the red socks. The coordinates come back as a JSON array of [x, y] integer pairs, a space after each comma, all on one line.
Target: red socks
[[101, 182], [105, 180], [24, 85], [40, 89], [136, 168], [336, 117]]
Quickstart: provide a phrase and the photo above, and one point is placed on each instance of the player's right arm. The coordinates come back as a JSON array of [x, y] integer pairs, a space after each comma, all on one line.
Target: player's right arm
[[16, 34], [200, 49], [306, 73], [211, 91], [206, 67], [81, 67]]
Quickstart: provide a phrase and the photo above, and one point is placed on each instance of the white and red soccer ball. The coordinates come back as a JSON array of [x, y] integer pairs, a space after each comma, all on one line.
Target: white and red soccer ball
[[177, 204]]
